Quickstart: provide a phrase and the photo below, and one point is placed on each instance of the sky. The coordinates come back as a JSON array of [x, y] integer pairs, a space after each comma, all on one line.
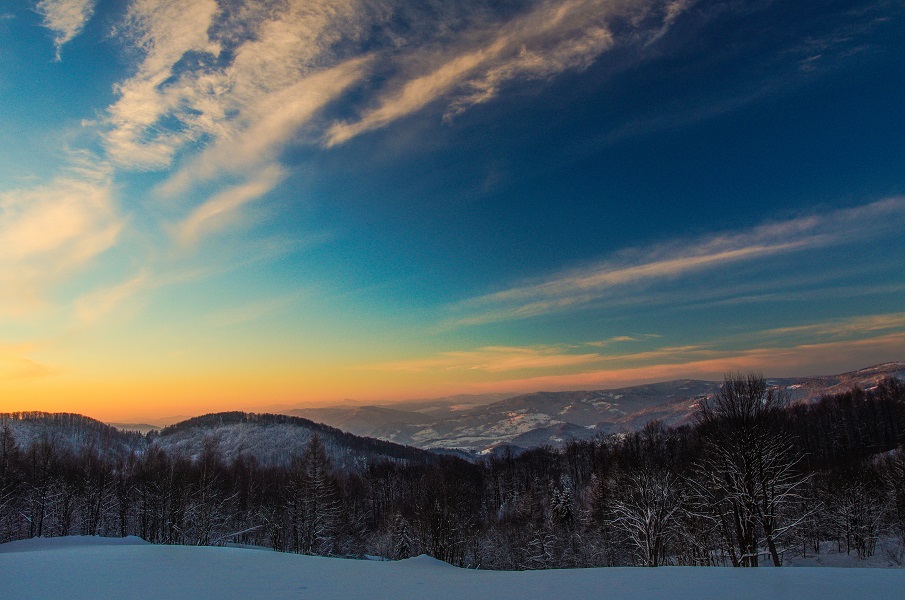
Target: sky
[[231, 204]]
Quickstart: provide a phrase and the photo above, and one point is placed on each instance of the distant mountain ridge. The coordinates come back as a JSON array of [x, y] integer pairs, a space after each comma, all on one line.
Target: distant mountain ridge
[[539, 418]]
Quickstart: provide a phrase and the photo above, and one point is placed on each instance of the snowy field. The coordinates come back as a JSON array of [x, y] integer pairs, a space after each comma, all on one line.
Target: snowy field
[[78, 567]]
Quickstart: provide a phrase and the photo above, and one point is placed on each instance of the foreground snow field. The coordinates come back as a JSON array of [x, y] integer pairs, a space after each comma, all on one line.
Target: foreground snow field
[[77, 567]]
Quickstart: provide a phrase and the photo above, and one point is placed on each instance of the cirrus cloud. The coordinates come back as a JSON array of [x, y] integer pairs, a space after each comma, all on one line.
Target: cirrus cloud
[[65, 18]]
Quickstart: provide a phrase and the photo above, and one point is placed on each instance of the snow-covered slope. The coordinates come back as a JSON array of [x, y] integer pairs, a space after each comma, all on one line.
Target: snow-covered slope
[[76, 568]]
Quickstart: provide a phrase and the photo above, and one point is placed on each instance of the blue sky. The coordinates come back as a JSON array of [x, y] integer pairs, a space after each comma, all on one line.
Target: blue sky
[[228, 204]]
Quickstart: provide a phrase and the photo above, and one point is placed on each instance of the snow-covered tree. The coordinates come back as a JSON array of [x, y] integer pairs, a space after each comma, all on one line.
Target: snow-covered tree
[[402, 539]]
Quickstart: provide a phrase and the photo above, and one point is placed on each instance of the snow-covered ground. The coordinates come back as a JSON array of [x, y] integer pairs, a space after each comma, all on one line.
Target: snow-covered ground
[[78, 567], [889, 553]]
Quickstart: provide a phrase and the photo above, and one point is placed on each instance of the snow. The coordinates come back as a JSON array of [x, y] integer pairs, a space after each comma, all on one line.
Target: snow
[[43, 544], [889, 553], [74, 568]]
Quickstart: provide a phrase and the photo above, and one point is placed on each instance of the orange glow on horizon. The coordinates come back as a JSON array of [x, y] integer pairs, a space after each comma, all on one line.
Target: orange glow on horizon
[[129, 397]]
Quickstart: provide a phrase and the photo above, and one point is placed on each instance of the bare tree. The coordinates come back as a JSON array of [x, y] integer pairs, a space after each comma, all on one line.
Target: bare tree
[[646, 508], [856, 507], [748, 470]]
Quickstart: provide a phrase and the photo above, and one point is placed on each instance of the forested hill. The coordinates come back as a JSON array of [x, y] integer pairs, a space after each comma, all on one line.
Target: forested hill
[[275, 439], [70, 431], [272, 440]]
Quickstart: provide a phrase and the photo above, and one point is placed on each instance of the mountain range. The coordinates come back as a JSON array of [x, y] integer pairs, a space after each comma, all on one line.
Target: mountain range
[[554, 418]]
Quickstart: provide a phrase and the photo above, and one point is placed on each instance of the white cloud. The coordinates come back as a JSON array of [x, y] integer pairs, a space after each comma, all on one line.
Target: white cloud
[[66, 18], [266, 127], [619, 339], [244, 61], [280, 58], [262, 70], [414, 95], [164, 30]]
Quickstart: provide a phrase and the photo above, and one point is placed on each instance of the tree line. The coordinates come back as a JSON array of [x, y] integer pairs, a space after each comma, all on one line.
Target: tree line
[[751, 479]]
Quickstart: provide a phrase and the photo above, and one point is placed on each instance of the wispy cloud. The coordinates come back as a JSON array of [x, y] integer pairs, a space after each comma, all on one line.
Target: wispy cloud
[[220, 93], [65, 18], [556, 357], [552, 38], [781, 351], [266, 127], [51, 232], [860, 325], [828, 49], [620, 339], [493, 359], [258, 54], [99, 303], [673, 260], [774, 361], [221, 209]]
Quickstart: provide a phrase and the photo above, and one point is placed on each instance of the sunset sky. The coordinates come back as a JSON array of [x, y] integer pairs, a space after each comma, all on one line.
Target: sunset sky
[[230, 204]]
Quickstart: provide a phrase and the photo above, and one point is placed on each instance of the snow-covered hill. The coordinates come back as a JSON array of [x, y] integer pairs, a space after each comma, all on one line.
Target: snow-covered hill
[[90, 568], [72, 432], [275, 439]]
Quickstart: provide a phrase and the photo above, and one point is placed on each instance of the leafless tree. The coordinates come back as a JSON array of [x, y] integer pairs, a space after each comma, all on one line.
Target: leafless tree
[[646, 508], [748, 470]]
